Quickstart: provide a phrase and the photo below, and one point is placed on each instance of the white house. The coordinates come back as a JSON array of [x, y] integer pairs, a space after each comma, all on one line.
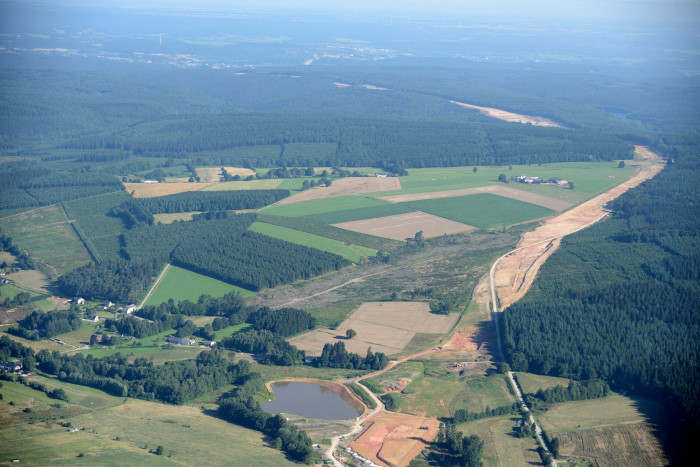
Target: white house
[[78, 300], [127, 310], [150, 181]]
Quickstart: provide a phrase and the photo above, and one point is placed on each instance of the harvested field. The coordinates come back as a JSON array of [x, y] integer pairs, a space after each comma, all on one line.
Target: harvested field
[[403, 226], [214, 174], [267, 184], [629, 444], [31, 279], [151, 190], [384, 326], [504, 191], [345, 187], [395, 439], [513, 274], [510, 116]]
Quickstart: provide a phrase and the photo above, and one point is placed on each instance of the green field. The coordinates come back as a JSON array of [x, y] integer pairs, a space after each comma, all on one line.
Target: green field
[[231, 330], [481, 210], [531, 383], [359, 214], [48, 237], [11, 291], [181, 284], [155, 353], [501, 448], [323, 206], [115, 431], [481, 392], [349, 252], [589, 177]]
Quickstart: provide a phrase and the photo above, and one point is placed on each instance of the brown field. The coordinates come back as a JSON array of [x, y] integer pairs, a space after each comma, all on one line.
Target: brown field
[[498, 190], [395, 439], [346, 187], [214, 174], [30, 279], [628, 445], [510, 116], [403, 226], [513, 274], [384, 326], [264, 184], [151, 190]]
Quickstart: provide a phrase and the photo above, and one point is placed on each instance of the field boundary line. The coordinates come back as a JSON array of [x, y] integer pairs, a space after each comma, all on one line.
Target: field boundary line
[[80, 237], [155, 284]]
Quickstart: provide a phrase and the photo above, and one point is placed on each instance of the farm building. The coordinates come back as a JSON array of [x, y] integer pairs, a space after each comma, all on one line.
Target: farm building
[[522, 178], [14, 365], [107, 304], [209, 343], [180, 340], [93, 318], [150, 181], [78, 300], [558, 181], [127, 310]]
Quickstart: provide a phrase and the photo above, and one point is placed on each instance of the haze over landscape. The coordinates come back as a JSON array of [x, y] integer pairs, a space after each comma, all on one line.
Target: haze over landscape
[[357, 233]]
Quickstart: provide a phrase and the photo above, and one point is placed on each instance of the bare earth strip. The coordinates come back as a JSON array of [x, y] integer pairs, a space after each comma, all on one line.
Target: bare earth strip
[[382, 326], [515, 272], [498, 190], [403, 226], [151, 190], [345, 187], [510, 116]]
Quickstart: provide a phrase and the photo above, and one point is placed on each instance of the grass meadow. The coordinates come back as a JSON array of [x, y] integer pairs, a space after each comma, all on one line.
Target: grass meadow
[[481, 210], [530, 383], [323, 206], [481, 392], [50, 239], [349, 252], [181, 284]]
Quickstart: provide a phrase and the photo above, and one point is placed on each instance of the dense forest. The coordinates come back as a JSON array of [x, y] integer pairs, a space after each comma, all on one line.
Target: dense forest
[[620, 300]]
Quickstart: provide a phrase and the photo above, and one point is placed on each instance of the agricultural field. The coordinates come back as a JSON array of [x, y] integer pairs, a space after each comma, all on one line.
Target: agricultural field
[[30, 279], [214, 174], [501, 447], [612, 431], [481, 210], [158, 354], [174, 216], [114, 431], [382, 326], [346, 187], [404, 226], [11, 291], [530, 383], [151, 190], [181, 284], [48, 236], [325, 206], [231, 330], [350, 252], [481, 392]]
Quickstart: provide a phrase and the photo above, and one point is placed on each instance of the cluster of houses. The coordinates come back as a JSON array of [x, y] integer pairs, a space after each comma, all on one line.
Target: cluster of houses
[[188, 341], [533, 179]]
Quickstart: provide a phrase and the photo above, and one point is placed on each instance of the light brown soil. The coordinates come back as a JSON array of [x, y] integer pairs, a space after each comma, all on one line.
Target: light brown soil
[[151, 190], [214, 174], [341, 85], [515, 273], [510, 116], [403, 226], [382, 326], [346, 187], [374, 88], [395, 439], [499, 190], [30, 279]]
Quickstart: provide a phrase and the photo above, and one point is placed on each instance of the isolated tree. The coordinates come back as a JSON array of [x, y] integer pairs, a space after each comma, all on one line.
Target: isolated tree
[[621, 165], [554, 445], [502, 178], [571, 185], [418, 237], [350, 333], [159, 450], [309, 171], [329, 182], [474, 169]]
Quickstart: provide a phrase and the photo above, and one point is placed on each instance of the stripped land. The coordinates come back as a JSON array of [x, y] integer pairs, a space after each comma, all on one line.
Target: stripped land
[[382, 326], [510, 116], [403, 226]]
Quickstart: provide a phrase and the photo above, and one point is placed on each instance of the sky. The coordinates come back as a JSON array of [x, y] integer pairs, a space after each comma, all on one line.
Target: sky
[[601, 10]]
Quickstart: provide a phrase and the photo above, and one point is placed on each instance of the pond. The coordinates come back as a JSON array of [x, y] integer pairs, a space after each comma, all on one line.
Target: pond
[[310, 400]]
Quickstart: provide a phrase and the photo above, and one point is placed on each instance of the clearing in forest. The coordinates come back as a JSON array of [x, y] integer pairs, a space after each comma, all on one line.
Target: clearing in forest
[[214, 174], [346, 187], [395, 439], [181, 284], [510, 116], [152, 190], [403, 226], [382, 326]]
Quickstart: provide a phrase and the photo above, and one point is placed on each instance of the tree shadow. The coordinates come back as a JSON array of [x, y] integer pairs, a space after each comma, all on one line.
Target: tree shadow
[[485, 337]]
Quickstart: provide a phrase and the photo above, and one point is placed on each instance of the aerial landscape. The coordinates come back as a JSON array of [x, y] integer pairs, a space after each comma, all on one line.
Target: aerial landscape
[[371, 234]]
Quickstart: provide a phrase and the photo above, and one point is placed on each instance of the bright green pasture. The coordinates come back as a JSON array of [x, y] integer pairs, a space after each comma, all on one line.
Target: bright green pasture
[[349, 252], [155, 353], [481, 392], [322, 206], [591, 177], [267, 184], [531, 383], [231, 330], [50, 239], [11, 291], [481, 210], [181, 284]]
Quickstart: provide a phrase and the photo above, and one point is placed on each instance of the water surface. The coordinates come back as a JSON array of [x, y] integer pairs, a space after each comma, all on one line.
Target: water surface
[[309, 400]]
